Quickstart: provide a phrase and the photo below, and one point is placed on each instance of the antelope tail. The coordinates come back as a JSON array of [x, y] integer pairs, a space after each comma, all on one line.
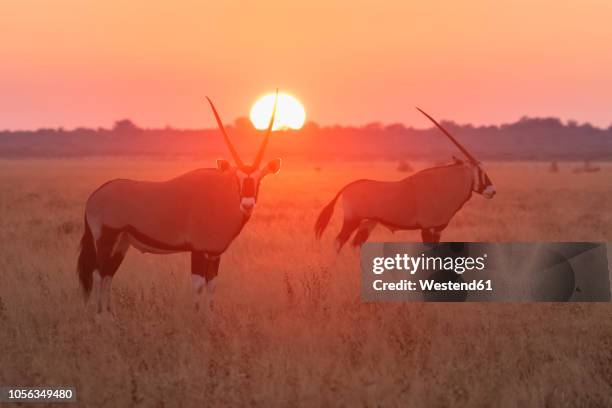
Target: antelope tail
[[87, 264], [327, 213], [325, 216]]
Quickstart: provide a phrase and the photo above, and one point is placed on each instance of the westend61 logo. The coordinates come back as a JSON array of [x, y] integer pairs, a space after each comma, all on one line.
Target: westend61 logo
[[413, 264], [480, 271]]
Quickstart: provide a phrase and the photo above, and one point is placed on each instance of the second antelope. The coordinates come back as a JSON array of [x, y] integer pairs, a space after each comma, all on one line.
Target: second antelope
[[426, 201], [200, 212]]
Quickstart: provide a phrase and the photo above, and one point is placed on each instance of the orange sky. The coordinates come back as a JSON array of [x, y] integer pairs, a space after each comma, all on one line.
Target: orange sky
[[74, 62]]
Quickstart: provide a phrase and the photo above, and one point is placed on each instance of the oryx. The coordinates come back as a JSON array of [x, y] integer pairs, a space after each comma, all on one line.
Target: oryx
[[200, 212], [427, 200]]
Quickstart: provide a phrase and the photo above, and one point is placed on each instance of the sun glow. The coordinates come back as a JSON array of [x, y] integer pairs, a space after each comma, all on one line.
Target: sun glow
[[290, 113]]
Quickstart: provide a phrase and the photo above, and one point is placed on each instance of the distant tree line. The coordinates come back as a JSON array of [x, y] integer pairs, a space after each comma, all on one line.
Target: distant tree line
[[526, 139]]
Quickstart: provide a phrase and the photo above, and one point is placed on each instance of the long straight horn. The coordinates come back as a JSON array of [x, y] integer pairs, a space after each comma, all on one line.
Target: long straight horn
[[230, 146], [456, 143], [262, 149]]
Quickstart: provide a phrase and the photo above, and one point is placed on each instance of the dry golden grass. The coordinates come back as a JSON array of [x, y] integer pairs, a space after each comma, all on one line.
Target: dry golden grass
[[289, 327]]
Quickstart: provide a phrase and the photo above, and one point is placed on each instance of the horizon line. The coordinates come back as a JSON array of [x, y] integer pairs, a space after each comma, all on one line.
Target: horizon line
[[383, 125]]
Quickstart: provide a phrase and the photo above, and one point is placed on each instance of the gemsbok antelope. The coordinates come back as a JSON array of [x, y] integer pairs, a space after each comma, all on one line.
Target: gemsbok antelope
[[426, 200], [200, 212]]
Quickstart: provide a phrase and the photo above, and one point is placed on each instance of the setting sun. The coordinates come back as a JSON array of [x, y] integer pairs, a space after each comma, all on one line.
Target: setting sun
[[290, 113]]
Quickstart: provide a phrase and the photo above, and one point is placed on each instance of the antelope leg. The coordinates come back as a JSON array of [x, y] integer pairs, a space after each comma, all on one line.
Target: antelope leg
[[211, 278], [199, 265]]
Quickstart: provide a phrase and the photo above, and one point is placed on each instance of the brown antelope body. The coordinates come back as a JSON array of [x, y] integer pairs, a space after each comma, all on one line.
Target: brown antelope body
[[200, 212], [426, 201]]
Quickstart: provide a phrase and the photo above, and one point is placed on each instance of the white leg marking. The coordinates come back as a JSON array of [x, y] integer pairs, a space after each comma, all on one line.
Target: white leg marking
[[122, 244], [198, 284], [106, 292], [97, 282], [211, 285]]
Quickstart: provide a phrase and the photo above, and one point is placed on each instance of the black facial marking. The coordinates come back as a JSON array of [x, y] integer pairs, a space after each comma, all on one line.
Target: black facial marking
[[483, 180], [248, 187]]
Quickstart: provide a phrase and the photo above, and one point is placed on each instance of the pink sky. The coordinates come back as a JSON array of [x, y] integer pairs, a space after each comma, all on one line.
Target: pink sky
[[69, 63]]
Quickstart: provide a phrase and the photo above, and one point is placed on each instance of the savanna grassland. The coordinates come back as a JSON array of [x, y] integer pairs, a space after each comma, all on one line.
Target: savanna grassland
[[289, 328]]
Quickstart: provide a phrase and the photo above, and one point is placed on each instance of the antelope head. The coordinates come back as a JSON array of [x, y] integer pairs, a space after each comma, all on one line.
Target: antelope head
[[247, 176], [481, 183]]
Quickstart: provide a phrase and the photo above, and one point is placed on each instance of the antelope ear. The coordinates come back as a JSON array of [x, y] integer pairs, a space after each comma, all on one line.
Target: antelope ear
[[274, 166], [223, 165]]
